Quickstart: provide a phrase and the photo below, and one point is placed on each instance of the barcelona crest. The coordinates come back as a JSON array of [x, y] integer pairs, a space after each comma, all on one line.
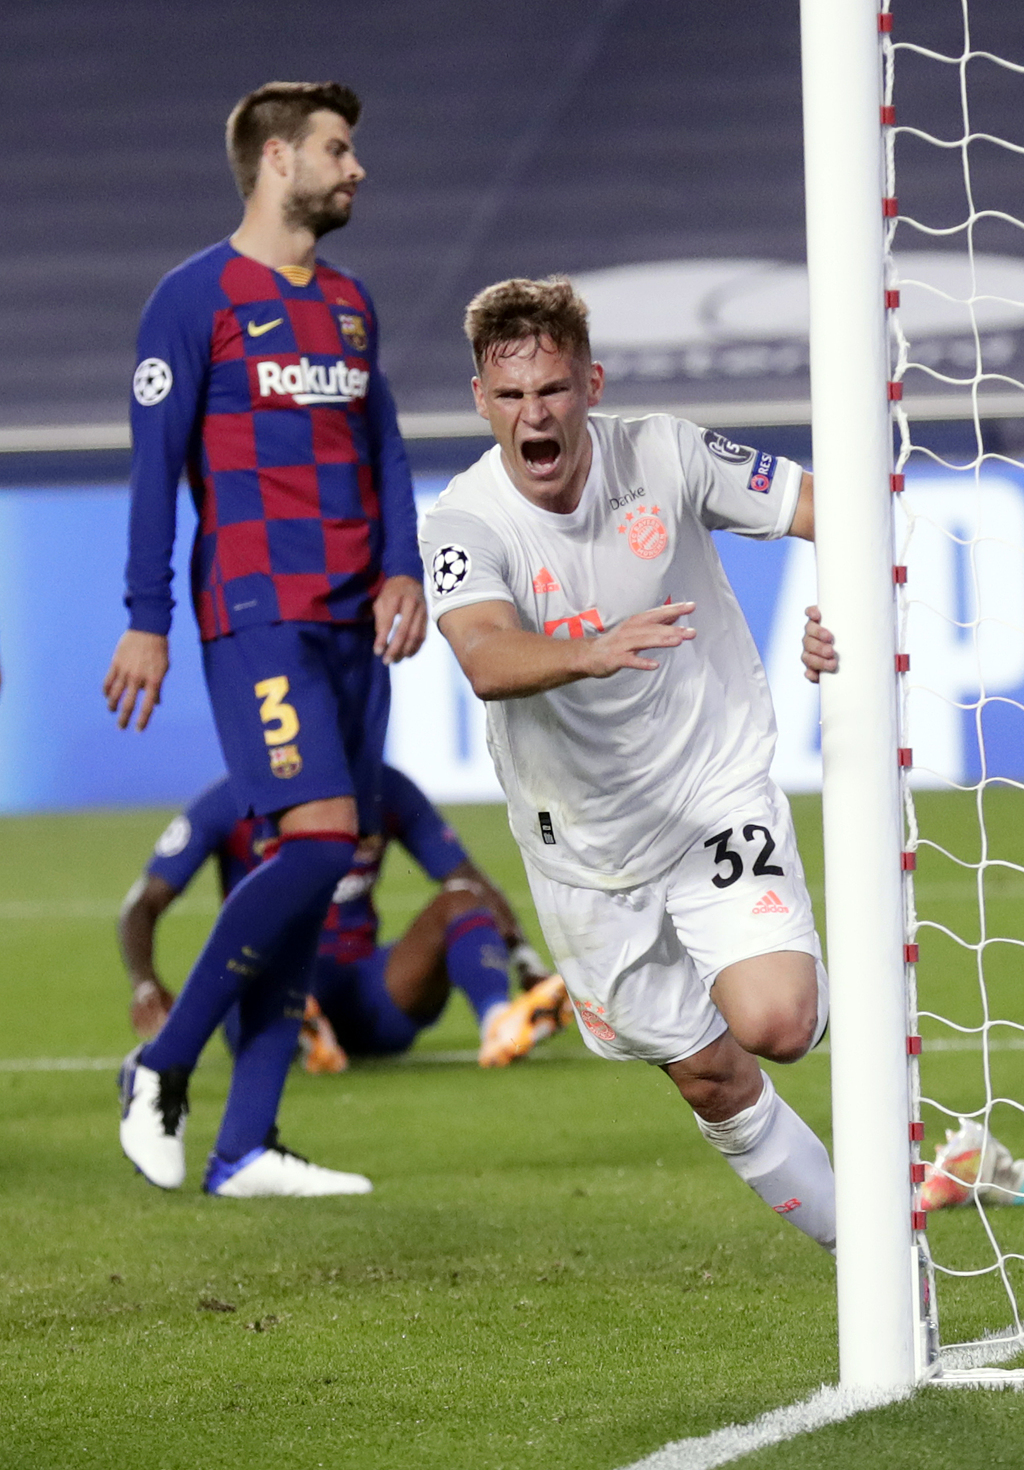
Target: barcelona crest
[[285, 761], [353, 329]]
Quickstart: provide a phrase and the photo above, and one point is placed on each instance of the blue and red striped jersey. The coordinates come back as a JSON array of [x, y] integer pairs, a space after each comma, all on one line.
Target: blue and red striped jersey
[[210, 826], [265, 386]]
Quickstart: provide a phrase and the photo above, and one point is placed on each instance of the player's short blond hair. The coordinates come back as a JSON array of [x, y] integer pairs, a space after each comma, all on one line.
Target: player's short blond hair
[[280, 110], [514, 311]]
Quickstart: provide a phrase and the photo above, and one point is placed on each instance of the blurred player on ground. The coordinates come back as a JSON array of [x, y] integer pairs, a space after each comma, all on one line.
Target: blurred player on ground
[[634, 751], [257, 369], [364, 999]]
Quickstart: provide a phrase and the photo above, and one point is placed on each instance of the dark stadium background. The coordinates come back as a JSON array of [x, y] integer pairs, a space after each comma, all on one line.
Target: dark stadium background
[[515, 140], [524, 139]]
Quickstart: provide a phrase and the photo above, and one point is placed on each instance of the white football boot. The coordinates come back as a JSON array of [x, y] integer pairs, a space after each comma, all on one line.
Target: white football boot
[[154, 1107], [275, 1170]]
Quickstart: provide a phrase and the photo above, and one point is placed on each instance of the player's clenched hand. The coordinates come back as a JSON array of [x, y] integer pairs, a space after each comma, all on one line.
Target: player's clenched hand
[[400, 598], [819, 655], [138, 667], [621, 648]]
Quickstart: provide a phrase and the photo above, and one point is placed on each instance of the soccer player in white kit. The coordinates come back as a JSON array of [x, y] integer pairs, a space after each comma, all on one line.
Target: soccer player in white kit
[[634, 752]]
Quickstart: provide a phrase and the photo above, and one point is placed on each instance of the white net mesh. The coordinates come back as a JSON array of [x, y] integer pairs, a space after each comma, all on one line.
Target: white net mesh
[[957, 335]]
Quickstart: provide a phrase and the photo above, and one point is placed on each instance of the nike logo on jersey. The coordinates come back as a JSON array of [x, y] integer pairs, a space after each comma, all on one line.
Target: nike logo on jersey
[[308, 382], [258, 331]]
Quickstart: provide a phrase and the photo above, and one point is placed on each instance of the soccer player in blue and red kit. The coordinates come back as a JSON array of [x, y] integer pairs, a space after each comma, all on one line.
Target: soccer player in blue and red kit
[[374, 1000], [258, 372]]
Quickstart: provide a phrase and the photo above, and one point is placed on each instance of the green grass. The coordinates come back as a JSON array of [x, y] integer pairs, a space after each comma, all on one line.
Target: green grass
[[553, 1271]]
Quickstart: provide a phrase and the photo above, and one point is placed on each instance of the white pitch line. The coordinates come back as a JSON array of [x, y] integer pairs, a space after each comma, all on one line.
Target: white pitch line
[[404, 1059], [964, 1366], [827, 1406]]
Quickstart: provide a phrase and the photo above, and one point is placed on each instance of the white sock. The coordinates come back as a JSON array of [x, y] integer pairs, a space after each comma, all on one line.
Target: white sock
[[774, 1151]]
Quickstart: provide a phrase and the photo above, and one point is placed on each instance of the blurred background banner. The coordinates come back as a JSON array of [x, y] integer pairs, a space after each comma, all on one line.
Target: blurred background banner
[[651, 152], [61, 555]]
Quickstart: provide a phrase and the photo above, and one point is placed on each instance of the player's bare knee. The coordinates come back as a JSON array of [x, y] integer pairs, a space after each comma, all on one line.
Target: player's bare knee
[[451, 904], [779, 1037]]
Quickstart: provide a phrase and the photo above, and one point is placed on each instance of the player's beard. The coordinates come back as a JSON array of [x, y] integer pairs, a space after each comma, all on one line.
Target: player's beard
[[316, 210]]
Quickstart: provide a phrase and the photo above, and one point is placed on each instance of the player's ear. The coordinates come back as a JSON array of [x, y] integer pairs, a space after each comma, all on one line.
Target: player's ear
[[277, 157], [595, 385], [479, 399]]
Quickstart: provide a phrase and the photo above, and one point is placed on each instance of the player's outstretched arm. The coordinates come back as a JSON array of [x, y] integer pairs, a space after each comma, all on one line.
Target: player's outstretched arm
[[502, 660], [139, 665], [400, 598], [145, 901], [819, 655]]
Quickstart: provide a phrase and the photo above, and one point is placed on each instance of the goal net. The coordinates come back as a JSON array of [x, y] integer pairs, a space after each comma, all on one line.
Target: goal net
[[955, 298]]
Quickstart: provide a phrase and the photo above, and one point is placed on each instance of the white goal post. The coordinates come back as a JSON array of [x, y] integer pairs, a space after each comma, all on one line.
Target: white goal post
[[888, 1324], [852, 440]]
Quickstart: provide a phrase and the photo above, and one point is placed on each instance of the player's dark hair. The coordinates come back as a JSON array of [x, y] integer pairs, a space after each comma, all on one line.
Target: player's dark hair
[[514, 311], [280, 110]]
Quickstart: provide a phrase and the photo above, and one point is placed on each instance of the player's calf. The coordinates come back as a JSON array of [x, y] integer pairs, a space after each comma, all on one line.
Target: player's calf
[[772, 1149]]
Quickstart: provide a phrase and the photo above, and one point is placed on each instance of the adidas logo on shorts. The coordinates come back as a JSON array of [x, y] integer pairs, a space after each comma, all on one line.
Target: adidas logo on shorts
[[771, 903]]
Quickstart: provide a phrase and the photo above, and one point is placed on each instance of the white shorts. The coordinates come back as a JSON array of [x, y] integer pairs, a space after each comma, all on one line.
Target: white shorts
[[639, 963]]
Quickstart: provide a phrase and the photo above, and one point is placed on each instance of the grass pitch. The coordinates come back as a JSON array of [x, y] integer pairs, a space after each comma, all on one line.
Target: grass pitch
[[554, 1269]]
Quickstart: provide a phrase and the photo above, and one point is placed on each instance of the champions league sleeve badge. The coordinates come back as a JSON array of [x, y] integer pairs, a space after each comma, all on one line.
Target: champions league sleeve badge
[[449, 568]]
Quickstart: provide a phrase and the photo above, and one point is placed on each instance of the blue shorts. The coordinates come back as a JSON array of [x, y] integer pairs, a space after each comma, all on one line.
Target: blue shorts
[[355, 1000], [301, 710]]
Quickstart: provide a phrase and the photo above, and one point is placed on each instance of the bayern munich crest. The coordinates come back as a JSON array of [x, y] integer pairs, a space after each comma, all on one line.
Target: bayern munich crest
[[449, 568], [592, 1016], [645, 532]]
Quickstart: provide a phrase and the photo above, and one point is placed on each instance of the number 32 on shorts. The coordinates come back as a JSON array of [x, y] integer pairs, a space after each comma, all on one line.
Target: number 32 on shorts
[[727, 856], [280, 721]]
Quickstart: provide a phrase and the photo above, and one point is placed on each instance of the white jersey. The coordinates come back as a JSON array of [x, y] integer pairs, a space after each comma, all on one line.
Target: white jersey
[[609, 780]]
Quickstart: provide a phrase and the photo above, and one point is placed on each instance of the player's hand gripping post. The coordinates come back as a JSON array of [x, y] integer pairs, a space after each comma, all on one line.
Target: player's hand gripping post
[[400, 619], [139, 665], [819, 655], [503, 660]]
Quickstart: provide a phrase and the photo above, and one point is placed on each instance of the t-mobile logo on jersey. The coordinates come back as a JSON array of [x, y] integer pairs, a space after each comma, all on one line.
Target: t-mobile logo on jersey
[[577, 625]]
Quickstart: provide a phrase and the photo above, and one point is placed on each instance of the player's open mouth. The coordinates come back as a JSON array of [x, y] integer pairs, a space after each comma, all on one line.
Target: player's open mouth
[[541, 454]]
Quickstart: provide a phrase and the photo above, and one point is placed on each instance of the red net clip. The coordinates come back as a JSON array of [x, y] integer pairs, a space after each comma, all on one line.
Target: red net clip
[[892, 299], [912, 953], [913, 1046], [905, 756], [903, 663], [896, 482], [918, 1220], [890, 207], [917, 1132], [908, 862], [885, 22], [894, 391], [888, 120], [917, 1173], [899, 576]]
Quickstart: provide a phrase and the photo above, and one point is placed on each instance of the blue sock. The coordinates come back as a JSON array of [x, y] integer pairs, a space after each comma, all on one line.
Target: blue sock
[[269, 1016], [477, 960], [281, 902]]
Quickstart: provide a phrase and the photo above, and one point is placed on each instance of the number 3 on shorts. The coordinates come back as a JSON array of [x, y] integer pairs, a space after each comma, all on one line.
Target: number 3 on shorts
[[273, 709]]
